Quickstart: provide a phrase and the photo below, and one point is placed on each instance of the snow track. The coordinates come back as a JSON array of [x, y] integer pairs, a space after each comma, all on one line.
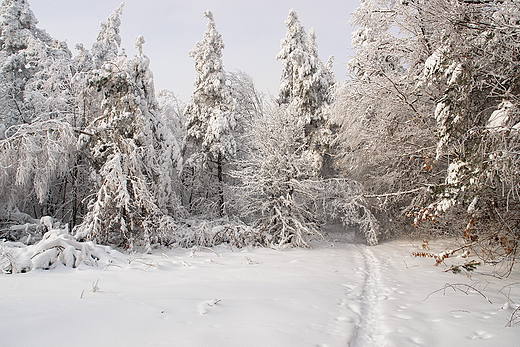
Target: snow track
[[367, 332]]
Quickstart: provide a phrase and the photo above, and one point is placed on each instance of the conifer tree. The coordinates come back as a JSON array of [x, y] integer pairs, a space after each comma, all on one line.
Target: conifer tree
[[210, 122], [306, 86], [133, 155], [106, 47]]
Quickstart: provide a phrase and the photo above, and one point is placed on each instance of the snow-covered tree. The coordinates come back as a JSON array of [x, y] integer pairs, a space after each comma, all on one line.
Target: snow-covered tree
[[306, 85], [430, 118], [276, 191], [37, 107], [172, 112], [210, 125], [32, 157], [133, 156], [106, 47], [387, 135], [34, 68], [50, 92], [271, 193], [474, 64]]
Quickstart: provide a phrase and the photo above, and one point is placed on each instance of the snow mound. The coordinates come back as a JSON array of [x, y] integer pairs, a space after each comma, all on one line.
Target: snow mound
[[56, 247]]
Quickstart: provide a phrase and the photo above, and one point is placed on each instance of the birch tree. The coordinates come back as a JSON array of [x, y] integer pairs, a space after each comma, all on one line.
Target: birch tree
[[37, 107]]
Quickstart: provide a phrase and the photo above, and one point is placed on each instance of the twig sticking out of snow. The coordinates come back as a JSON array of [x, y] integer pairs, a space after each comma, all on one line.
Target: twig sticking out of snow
[[199, 248], [461, 287], [515, 317], [95, 287]]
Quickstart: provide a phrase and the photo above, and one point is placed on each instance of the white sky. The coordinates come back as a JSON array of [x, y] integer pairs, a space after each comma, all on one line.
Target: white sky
[[251, 31]]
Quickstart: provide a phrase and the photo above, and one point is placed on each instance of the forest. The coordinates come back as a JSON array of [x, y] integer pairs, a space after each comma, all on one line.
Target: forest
[[421, 140]]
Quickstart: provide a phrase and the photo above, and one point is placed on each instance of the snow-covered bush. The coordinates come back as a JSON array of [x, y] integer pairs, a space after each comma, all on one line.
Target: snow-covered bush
[[56, 247], [208, 233]]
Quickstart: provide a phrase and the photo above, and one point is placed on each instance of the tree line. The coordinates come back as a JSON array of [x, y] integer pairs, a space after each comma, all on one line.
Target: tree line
[[421, 139]]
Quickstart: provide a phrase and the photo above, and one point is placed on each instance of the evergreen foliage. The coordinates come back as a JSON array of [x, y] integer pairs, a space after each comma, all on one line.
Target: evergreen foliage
[[306, 86], [215, 115], [133, 158]]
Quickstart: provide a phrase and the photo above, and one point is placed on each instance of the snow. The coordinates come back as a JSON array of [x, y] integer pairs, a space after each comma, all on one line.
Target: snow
[[500, 117], [433, 63], [334, 294], [453, 73]]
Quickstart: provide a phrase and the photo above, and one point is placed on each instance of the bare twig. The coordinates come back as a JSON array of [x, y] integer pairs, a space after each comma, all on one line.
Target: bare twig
[[393, 194], [95, 287], [514, 318], [461, 287]]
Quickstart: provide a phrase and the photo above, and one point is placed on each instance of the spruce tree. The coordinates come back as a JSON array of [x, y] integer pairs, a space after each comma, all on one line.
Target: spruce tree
[[306, 86], [106, 47], [132, 155], [210, 122]]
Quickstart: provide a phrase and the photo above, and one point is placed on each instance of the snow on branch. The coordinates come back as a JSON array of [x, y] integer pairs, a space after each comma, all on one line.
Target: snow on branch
[[36, 154], [344, 198]]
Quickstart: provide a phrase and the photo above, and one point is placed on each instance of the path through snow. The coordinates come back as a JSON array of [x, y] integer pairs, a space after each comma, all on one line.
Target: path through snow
[[367, 330]]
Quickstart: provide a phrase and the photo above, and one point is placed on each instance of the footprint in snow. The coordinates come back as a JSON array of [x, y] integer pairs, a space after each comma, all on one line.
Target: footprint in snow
[[402, 316], [480, 335]]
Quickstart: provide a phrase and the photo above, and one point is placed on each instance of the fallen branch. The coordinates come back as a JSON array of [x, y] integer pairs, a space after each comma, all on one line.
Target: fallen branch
[[393, 194]]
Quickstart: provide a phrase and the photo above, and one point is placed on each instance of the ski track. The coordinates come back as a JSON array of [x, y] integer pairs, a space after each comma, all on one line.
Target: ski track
[[367, 331]]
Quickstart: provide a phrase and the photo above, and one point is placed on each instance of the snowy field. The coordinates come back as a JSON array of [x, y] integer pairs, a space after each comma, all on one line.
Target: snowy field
[[335, 294]]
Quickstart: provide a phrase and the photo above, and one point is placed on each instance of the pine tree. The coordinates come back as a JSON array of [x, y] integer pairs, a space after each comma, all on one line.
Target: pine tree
[[210, 122], [306, 85], [106, 47], [133, 158]]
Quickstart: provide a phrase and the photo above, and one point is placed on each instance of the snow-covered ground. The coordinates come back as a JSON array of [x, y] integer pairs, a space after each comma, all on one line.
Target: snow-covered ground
[[335, 294]]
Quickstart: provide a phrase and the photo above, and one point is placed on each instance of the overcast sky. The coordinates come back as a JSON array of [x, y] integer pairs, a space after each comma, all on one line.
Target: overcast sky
[[251, 31]]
